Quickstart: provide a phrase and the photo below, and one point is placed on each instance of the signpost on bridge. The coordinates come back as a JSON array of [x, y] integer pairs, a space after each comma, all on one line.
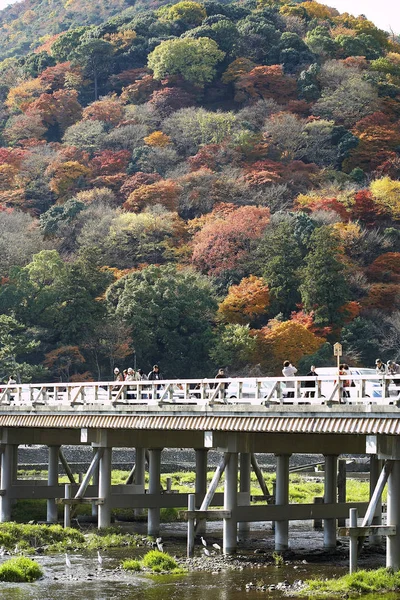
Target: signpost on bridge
[[338, 351]]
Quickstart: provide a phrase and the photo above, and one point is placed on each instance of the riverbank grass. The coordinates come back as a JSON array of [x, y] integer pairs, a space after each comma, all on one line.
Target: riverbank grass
[[362, 582], [155, 561], [20, 570]]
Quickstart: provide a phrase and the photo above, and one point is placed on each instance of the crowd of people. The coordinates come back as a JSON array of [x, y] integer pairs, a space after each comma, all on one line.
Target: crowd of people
[[138, 375]]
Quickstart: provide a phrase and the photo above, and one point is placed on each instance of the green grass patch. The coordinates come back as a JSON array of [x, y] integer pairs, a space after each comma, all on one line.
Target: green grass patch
[[169, 515], [20, 570], [160, 561], [132, 565], [362, 582]]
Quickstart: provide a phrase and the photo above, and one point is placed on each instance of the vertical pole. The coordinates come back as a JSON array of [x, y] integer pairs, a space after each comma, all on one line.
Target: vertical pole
[[95, 482], [201, 483], [282, 499], [353, 541], [52, 479], [140, 464], [393, 517], [6, 483], [245, 469], [104, 515], [14, 474], [375, 470], [330, 497], [153, 523], [190, 527], [341, 485], [67, 507], [230, 503]]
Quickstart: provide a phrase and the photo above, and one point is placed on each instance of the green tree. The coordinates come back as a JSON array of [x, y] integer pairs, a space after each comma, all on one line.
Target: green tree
[[170, 313], [94, 57], [362, 339], [324, 288], [279, 258], [65, 45], [190, 13], [16, 343], [234, 347], [195, 60]]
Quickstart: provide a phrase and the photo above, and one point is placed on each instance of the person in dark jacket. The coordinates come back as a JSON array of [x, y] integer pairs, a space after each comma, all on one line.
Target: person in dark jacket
[[154, 374], [311, 384]]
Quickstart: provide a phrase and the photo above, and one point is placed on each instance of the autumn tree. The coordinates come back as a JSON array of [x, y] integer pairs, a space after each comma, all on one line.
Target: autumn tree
[[246, 301], [165, 193], [265, 82], [61, 360]]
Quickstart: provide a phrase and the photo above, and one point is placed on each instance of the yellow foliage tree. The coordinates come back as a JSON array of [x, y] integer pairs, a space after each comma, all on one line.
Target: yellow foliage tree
[[386, 191], [158, 138], [287, 340], [315, 10], [245, 301], [21, 96]]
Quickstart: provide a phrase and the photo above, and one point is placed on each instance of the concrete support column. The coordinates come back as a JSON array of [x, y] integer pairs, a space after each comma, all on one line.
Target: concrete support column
[[6, 482], [330, 497], [104, 512], [201, 483], [153, 522], [375, 471], [52, 479], [244, 486], [140, 469], [282, 499], [393, 517], [230, 503], [95, 482]]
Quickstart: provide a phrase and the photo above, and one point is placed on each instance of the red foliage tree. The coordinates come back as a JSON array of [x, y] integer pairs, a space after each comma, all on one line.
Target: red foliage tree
[[385, 268], [265, 82], [170, 99], [366, 209], [135, 181], [108, 162], [225, 243], [61, 108]]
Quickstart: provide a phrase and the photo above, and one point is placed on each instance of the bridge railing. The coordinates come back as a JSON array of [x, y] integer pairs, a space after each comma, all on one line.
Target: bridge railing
[[265, 391]]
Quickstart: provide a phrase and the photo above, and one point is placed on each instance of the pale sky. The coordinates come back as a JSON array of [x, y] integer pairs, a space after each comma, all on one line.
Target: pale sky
[[384, 13]]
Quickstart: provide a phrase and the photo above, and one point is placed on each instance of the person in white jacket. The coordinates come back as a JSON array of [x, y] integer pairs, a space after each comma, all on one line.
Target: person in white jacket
[[289, 371]]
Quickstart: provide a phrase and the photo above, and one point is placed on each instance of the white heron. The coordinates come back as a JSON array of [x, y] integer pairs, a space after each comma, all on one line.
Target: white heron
[[159, 543], [203, 541], [217, 547], [206, 552], [99, 558], [68, 562]]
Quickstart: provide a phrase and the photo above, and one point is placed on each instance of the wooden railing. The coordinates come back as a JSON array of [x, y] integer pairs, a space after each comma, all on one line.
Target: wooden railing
[[364, 389]]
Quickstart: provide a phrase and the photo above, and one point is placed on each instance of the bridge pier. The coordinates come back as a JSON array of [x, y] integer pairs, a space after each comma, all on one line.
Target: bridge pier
[[201, 483], [230, 503], [375, 470], [244, 486], [393, 517], [95, 482], [52, 479], [140, 468], [153, 518], [282, 499], [104, 513], [7, 461], [330, 497]]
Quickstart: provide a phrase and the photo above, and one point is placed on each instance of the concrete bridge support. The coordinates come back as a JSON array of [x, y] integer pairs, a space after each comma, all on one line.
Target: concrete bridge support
[[230, 503], [95, 482], [282, 499], [375, 470], [201, 483], [7, 463], [245, 470], [393, 517], [104, 513], [153, 523], [330, 497], [140, 468], [52, 479]]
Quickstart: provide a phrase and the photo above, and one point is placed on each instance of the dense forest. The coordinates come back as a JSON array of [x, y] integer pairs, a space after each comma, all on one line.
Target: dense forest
[[198, 184]]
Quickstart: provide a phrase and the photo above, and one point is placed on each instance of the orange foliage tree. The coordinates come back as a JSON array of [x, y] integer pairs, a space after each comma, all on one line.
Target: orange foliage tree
[[67, 177], [158, 139], [385, 268], [287, 340], [245, 301], [61, 360], [60, 108], [164, 192], [384, 297], [108, 110]]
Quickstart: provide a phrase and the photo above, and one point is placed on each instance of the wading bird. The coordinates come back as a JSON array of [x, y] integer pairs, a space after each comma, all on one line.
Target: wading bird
[[68, 562], [203, 541]]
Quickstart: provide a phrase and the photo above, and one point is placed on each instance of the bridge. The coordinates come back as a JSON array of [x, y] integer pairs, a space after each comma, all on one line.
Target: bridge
[[241, 417]]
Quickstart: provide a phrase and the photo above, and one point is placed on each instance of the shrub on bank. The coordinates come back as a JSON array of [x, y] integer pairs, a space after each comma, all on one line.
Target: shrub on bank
[[20, 570], [362, 582], [132, 565]]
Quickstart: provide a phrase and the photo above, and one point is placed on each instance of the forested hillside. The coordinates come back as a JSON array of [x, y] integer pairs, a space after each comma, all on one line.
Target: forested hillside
[[199, 185]]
